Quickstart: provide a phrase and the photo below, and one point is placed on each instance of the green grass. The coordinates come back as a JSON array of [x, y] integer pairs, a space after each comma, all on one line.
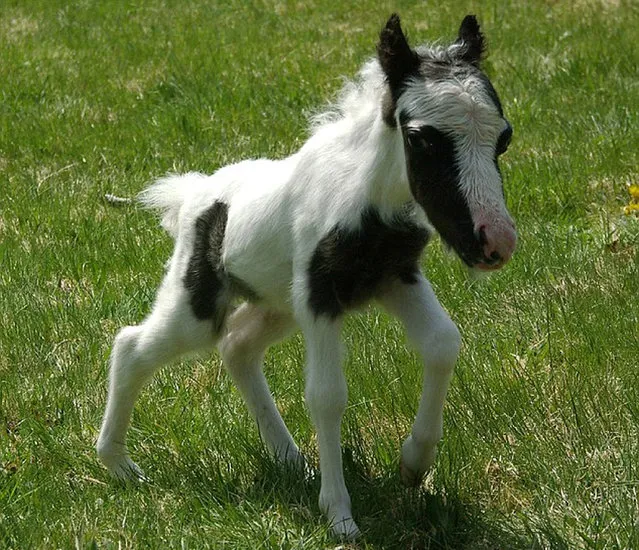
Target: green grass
[[541, 445]]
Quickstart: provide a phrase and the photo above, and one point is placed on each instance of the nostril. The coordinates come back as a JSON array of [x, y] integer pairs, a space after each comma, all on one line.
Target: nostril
[[481, 232], [493, 259]]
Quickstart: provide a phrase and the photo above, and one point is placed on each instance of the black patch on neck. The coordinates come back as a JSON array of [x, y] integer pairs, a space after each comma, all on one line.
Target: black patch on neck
[[210, 286], [349, 266]]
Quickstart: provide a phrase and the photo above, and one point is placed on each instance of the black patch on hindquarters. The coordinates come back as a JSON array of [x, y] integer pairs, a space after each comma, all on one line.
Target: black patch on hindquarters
[[349, 266], [205, 279]]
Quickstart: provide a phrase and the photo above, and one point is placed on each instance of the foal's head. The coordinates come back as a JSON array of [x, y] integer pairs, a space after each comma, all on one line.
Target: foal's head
[[454, 131]]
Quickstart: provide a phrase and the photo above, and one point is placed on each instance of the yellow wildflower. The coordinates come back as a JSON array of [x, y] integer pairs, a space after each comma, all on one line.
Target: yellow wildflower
[[632, 208]]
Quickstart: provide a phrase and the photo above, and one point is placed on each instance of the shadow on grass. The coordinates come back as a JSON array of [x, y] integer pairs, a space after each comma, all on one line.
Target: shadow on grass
[[393, 516], [389, 515]]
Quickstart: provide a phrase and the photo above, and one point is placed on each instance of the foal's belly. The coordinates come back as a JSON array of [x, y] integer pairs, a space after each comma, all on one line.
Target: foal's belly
[[258, 253]]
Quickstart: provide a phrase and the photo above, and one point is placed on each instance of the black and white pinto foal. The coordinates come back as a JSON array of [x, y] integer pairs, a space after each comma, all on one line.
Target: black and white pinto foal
[[412, 144]]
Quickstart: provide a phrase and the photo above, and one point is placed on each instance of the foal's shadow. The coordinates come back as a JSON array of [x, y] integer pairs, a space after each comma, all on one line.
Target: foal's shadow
[[389, 515], [393, 516]]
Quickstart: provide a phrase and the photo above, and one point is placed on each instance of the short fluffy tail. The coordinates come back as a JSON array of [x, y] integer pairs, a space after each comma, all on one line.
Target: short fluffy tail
[[167, 195]]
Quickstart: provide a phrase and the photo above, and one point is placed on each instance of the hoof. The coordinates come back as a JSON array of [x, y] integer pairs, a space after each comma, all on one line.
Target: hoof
[[295, 462], [340, 516], [415, 461], [121, 467], [128, 471], [345, 529], [410, 478], [293, 458]]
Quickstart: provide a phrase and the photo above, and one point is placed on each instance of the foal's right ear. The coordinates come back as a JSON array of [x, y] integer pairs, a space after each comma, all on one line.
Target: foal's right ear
[[396, 57]]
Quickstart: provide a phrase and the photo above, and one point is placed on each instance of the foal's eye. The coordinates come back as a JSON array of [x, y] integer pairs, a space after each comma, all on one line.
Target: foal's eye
[[425, 139], [417, 140], [504, 141]]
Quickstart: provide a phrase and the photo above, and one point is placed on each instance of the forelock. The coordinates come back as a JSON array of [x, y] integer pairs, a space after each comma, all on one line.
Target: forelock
[[450, 94]]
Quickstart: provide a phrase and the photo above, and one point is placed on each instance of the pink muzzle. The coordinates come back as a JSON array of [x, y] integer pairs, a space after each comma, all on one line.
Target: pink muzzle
[[499, 240]]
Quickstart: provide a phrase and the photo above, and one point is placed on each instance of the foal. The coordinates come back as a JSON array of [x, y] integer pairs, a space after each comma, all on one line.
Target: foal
[[303, 240]]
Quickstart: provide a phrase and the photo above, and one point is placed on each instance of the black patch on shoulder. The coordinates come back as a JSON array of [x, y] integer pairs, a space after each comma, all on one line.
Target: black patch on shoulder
[[205, 278], [349, 266]]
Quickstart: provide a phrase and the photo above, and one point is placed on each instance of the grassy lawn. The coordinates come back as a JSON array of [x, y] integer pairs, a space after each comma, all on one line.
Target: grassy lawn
[[541, 444]]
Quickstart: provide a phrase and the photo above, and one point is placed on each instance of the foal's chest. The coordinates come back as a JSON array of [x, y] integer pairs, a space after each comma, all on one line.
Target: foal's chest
[[349, 266]]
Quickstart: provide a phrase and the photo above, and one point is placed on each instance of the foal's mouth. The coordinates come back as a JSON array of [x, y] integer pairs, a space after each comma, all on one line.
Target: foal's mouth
[[494, 266], [479, 261]]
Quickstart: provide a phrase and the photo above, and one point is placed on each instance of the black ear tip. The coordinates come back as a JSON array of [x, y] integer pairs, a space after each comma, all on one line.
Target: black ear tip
[[393, 22], [469, 26], [392, 34], [470, 23], [472, 40]]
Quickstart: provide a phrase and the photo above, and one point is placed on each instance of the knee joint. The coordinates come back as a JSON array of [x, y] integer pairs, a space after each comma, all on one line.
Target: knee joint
[[441, 347], [124, 345], [236, 350], [326, 399]]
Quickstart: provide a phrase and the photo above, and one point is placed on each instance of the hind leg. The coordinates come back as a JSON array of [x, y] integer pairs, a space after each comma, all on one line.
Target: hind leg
[[250, 330], [138, 351]]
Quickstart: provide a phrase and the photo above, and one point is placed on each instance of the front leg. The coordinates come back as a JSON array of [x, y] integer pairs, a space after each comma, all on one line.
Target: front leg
[[435, 337], [326, 397]]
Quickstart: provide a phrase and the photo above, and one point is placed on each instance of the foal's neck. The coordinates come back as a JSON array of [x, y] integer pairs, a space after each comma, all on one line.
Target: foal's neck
[[383, 170]]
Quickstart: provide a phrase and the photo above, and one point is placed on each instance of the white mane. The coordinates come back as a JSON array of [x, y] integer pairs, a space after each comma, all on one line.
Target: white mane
[[358, 99]]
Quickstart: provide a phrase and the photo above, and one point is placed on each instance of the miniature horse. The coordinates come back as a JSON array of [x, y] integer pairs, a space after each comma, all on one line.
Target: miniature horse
[[412, 144]]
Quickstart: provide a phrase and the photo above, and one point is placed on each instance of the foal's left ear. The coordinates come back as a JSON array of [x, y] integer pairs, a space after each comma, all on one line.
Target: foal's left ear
[[471, 41]]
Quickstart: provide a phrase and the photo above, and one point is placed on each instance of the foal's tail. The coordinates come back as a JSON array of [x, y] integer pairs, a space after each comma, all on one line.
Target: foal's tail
[[167, 195]]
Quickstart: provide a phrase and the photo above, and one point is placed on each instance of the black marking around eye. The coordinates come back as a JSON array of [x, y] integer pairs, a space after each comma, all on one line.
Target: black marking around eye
[[431, 162], [504, 140], [435, 183], [426, 139]]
